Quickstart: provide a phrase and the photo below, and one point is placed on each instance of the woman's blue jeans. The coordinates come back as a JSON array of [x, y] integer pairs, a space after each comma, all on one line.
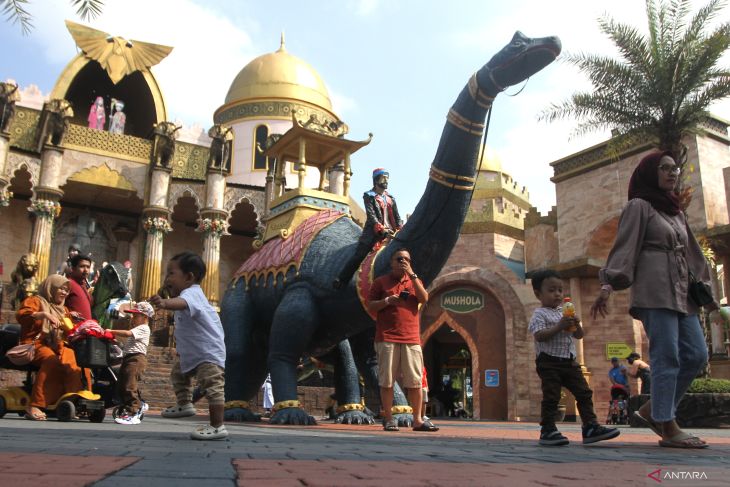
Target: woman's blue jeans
[[677, 353]]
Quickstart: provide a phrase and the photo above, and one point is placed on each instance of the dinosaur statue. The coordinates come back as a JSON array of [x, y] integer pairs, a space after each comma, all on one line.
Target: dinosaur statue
[[271, 320]]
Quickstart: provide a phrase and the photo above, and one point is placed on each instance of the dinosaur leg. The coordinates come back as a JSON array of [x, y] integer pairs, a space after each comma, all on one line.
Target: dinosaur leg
[[363, 349], [295, 321], [347, 388], [245, 354]]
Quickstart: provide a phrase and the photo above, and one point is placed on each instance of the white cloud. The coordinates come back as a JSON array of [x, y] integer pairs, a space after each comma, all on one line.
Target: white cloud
[[366, 7]]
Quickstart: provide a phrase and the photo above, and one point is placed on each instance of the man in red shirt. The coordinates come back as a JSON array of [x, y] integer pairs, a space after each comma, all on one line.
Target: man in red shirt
[[395, 298], [79, 299]]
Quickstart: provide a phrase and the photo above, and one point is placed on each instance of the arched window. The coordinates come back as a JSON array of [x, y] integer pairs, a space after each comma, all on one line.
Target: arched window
[[259, 160]]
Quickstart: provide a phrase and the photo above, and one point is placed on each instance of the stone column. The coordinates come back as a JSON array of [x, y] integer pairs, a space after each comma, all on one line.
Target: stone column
[[348, 175], [45, 208], [302, 163], [213, 226], [156, 223], [5, 195]]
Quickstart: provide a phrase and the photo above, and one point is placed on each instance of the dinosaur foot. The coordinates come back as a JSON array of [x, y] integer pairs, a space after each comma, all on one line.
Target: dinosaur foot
[[404, 419], [292, 416], [241, 415], [354, 417]]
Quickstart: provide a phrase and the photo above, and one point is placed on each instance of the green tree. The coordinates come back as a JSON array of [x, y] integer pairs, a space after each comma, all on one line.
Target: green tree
[[16, 11], [662, 84]]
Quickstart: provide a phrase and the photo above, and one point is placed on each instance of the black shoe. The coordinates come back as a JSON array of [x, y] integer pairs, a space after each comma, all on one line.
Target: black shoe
[[337, 284], [595, 432], [553, 438]]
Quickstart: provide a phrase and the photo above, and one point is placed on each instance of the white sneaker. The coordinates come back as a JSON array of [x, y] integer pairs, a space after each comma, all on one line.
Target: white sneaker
[[144, 408], [207, 432], [127, 419], [179, 411]]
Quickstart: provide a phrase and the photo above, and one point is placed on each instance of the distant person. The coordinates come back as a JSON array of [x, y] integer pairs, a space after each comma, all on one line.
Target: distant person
[[556, 363], [654, 254], [201, 350], [617, 374], [65, 268], [134, 363], [382, 221], [268, 394], [640, 370], [79, 297]]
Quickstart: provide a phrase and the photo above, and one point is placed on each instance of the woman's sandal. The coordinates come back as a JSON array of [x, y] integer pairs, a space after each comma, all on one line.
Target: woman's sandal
[[391, 425], [35, 415], [683, 440], [426, 426]]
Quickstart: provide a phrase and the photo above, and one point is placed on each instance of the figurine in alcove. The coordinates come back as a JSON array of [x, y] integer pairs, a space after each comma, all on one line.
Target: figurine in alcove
[[118, 118], [97, 115]]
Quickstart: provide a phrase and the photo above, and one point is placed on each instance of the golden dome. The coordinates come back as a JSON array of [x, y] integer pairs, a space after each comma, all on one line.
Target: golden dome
[[491, 162], [279, 75]]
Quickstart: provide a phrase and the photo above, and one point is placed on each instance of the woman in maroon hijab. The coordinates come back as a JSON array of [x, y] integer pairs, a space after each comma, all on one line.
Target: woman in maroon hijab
[[654, 253]]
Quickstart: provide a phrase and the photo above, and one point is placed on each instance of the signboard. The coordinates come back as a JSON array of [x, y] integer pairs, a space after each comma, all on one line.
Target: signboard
[[491, 378], [617, 349], [462, 300]]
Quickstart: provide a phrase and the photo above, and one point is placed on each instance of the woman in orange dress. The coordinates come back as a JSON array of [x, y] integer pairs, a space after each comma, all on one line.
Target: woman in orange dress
[[41, 318]]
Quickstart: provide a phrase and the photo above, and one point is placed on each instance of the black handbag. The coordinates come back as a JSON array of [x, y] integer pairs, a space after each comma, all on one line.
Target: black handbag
[[699, 292]]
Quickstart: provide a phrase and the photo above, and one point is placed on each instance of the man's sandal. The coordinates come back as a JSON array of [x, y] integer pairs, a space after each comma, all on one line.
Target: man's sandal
[[391, 425], [649, 423]]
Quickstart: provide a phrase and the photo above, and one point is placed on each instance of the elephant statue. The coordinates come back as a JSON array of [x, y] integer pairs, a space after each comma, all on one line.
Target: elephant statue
[[55, 120], [271, 319], [220, 148], [8, 96], [163, 147]]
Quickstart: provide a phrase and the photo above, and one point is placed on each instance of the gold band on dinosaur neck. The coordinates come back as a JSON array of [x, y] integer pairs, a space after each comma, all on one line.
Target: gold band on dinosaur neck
[[440, 177], [401, 410], [463, 123], [236, 404], [482, 99], [458, 177]]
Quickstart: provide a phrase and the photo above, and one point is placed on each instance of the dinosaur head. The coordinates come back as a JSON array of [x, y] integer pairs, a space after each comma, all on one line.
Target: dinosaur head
[[520, 59]]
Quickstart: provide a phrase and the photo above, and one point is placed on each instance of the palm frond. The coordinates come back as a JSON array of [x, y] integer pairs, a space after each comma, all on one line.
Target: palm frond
[[15, 12], [88, 9]]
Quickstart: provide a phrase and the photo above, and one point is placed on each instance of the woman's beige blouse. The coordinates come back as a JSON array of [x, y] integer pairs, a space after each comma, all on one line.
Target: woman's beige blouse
[[651, 255]]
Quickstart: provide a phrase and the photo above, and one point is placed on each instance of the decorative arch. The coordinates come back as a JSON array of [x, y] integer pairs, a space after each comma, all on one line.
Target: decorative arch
[[234, 196], [73, 68], [516, 318], [177, 191], [445, 319], [103, 176], [16, 162]]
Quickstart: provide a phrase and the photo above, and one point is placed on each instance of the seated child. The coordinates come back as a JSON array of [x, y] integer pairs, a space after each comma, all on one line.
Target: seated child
[[556, 363]]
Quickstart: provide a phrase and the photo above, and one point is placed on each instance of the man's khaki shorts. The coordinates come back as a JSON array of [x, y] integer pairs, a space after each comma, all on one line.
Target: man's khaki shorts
[[399, 361]]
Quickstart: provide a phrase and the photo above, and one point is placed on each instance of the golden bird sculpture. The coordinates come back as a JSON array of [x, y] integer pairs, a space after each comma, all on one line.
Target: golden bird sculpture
[[118, 56]]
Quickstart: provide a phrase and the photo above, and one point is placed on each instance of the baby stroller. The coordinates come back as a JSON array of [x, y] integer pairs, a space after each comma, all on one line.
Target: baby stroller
[[618, 405]]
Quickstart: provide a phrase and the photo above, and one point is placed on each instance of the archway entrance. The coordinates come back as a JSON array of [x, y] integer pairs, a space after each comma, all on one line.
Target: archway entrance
[[449, 361]]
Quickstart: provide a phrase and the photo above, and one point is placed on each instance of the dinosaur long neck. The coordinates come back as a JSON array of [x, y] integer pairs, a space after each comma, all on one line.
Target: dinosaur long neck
[[432, 230]]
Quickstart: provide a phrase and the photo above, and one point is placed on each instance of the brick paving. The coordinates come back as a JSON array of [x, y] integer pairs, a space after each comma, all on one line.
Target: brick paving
[[464, 453]]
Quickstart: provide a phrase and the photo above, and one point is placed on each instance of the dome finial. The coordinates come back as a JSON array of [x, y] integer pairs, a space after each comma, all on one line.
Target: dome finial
[[283, 42]]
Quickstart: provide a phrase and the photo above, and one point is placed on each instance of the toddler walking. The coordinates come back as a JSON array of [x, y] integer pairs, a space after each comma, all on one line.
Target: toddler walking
[[556, 363], [201, 350]]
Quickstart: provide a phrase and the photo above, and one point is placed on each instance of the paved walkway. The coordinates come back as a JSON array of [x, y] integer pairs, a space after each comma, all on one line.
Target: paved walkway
[[463, 453]]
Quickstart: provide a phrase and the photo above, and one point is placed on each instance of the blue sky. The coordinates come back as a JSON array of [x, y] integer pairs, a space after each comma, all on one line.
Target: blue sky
[[393, 68]]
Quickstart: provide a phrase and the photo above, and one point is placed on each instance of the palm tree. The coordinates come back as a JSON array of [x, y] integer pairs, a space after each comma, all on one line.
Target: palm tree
[[16, 11], [661, 86]]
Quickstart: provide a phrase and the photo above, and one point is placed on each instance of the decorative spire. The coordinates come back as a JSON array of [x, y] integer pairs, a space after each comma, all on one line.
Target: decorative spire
[[283, 42]]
